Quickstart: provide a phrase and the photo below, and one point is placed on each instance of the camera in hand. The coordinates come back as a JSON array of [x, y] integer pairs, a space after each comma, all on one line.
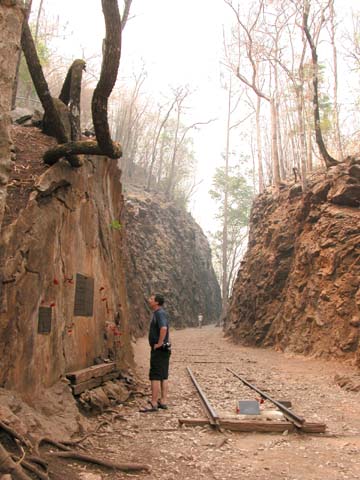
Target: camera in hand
[[166, 347]]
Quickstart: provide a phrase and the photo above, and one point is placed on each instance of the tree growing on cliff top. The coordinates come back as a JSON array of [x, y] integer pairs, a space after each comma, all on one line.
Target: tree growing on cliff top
[[67, 107]]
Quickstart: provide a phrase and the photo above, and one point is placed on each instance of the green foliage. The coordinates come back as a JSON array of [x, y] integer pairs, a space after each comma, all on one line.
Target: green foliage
[[240, 196], [115, 225], [325, 105], [326, 112]]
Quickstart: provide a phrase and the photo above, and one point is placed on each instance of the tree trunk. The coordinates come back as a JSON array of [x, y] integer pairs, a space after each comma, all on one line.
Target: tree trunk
[[37, 21], [225, 280], [11, 18], [259, 146], [70, 95], [108, 75], [170, 180], [277, 116], [328, 159], [161, 162], [301, 127], [41, 85], [309, 162], [274, 146], [153, 153], [87, 147], [336, 103], [125, 15]]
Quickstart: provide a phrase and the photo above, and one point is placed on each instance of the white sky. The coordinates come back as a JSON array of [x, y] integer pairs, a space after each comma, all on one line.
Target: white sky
[[179, 42]]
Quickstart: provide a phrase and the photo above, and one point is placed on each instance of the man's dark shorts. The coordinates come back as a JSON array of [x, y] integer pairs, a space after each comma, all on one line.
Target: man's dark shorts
[[159, 365]]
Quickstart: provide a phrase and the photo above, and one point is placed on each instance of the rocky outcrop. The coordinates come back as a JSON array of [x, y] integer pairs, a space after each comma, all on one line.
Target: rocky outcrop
[[63, 300], [11, 18], [77, 265], [169, 254], [298, 286]]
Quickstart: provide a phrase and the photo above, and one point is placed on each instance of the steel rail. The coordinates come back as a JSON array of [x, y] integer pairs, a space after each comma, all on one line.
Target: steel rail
[[209, 410], [291, 416]]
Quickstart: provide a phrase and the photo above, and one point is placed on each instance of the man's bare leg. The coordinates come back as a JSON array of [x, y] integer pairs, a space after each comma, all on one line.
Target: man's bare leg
[[164, 391], [155, 392]]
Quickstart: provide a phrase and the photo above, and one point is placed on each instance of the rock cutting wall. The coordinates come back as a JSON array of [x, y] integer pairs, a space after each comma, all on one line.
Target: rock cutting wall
[[63, 298], [11, 18], [298, 286], [169, 254], [77, 265]]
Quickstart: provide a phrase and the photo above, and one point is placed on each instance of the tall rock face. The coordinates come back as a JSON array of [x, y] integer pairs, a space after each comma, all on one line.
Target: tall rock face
[[168, 254], [77, 264], [11, 18], [298, 286], [62, 276]]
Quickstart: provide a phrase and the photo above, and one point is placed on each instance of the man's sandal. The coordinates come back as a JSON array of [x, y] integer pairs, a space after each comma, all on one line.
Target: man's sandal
[[162, 405], [152, 408]]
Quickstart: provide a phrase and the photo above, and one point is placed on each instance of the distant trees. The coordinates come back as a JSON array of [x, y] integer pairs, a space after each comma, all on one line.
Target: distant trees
[[233, 195], [157, 147], [272, 49]]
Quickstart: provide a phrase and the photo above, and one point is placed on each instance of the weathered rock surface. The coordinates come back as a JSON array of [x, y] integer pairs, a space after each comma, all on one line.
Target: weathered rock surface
[[298, 286], [169, 254], [63, 231], [64, 226], [11, 18]]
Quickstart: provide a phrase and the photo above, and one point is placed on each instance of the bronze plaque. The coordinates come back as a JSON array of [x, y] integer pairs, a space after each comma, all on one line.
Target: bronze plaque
[[84, 296], [44, 321]]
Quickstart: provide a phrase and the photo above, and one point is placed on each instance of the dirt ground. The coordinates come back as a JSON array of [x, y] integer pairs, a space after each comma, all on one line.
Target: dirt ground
[[199, 452]]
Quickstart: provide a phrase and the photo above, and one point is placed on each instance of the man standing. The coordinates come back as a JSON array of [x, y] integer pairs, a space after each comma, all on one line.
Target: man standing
[[160, 354]]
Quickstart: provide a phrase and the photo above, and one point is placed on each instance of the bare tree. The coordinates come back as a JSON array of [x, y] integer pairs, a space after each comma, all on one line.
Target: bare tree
[[252, 51], [108, 75], [227, 256], [328, 159], [335, 72], [180, 134], [295, 74], [158, 131], [125, 15]]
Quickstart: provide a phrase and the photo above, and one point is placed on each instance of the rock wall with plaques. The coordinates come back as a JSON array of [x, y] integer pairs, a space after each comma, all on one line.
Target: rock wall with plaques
[[63, 300]]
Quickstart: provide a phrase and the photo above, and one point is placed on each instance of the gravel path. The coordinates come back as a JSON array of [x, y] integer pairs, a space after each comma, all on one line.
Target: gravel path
[[199, 452]]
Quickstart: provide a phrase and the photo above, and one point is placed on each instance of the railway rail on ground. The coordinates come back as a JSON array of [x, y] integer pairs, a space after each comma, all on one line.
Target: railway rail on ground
[[291, 422]]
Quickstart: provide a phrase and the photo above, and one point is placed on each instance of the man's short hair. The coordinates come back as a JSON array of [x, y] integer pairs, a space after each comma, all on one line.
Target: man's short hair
[[159, 298]]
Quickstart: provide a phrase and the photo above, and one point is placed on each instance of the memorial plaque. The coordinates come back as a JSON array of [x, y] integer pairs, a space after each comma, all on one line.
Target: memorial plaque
[[84, 296], [44, 321]]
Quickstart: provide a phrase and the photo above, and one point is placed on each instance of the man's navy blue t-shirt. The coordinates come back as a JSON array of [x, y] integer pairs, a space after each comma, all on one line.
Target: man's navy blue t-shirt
[[159, 319]]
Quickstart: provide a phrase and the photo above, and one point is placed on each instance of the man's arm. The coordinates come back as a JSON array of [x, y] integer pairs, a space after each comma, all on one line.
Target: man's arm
[[163, 331]]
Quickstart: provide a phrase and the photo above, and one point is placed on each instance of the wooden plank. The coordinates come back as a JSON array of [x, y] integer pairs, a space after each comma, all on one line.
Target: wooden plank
[[94, 371], [81, 387], [257, 426], [194, 422], [309, 427], [111, 376]]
